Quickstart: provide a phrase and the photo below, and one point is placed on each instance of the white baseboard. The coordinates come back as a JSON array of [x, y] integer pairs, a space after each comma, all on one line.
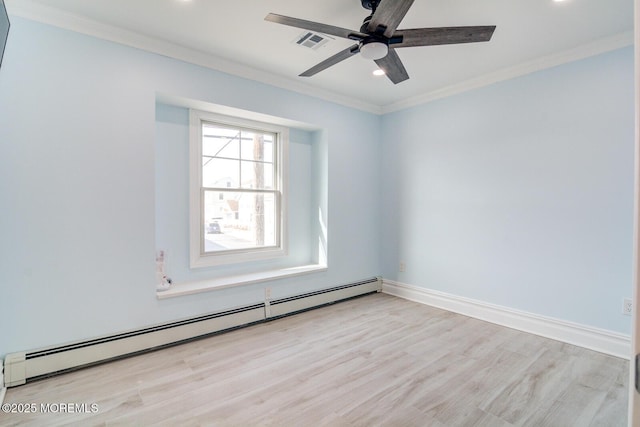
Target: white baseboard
[[600, 340]]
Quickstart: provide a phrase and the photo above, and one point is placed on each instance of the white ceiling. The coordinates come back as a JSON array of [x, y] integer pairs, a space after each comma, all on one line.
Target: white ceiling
[[232, 36]]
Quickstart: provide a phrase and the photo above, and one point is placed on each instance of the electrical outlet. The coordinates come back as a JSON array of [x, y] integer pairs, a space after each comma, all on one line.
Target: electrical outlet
[[402, 267], [627, 306], [267, 293]]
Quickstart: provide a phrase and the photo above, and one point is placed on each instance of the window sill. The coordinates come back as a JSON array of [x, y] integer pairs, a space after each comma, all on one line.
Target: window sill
[[195, 287]]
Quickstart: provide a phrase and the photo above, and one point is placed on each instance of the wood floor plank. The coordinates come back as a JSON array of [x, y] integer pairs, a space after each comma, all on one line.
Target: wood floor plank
[[615, 403], [372, 361], [544, 379]]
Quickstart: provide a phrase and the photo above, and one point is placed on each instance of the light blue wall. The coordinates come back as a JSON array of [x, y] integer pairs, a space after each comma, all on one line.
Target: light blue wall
[[519, 194], [77, 185]]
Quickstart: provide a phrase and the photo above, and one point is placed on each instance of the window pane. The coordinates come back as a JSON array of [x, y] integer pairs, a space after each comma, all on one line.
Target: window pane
[[256, 146], [220, 142], [239, 220], [220, 173], [269, 152], [257, 175]]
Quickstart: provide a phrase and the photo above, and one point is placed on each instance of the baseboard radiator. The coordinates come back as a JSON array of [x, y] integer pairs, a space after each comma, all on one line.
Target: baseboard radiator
[[23, 367]]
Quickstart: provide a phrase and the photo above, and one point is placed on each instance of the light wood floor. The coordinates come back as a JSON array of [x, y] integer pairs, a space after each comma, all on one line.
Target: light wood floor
[[372, 361]]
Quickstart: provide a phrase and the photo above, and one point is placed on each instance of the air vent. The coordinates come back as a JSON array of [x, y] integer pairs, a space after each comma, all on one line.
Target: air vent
[[312, 40]]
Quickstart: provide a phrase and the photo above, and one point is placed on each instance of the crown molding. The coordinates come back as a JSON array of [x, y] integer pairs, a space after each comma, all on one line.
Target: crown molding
[[49, 15], [581, 52], [52, 16]]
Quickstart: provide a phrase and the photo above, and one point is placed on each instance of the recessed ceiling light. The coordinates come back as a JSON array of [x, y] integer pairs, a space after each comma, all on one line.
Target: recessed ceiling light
[[379, 72]]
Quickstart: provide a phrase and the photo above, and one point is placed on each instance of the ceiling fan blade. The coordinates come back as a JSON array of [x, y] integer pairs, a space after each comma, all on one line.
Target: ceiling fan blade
[[388, 15], [315, 26], [338, 57], [393, 68], [443, 35]]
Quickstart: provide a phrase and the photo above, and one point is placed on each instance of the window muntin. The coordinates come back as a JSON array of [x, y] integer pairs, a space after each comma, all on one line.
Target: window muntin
[[241, 213]]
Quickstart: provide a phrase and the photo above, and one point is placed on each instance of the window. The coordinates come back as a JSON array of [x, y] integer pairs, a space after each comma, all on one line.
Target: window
[[237, 179]]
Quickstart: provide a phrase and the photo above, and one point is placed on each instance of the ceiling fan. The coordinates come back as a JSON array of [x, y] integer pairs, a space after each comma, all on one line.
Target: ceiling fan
[[378, 37]]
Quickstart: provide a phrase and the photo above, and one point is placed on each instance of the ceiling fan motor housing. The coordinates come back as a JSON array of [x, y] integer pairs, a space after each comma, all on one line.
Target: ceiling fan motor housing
[[365, 25], [370, 4], [366, 30]]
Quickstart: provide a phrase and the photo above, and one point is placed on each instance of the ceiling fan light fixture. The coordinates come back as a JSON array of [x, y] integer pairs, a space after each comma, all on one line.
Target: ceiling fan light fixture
[[374, 50]]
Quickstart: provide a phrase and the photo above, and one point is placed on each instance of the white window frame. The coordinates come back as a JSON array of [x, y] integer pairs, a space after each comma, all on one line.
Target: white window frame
[[198, 258]]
